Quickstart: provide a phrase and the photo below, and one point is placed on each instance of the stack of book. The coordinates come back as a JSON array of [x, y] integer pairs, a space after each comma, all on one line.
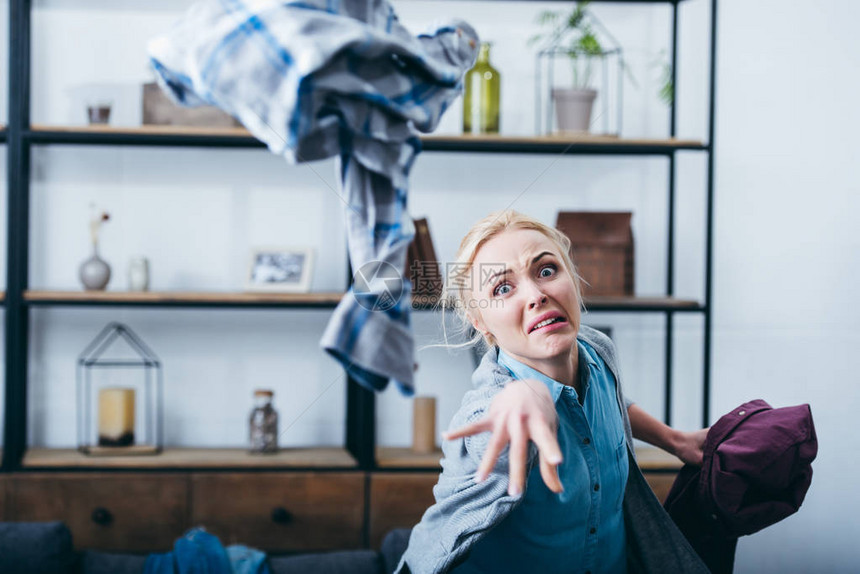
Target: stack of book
[[422, 267]]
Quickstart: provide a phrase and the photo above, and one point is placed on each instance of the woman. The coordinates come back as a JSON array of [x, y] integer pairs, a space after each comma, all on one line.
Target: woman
[[548, 380]]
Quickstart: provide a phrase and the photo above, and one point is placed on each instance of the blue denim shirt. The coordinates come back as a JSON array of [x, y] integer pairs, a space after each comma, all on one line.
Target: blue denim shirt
[[581, 529]]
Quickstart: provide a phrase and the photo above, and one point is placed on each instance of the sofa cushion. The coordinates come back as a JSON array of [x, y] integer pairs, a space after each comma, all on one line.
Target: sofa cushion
[[107, 563], [36, 548], [345, 562], [393, 546]]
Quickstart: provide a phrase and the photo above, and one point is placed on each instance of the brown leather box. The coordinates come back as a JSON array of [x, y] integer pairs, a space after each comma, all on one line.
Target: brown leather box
[[602, 250]]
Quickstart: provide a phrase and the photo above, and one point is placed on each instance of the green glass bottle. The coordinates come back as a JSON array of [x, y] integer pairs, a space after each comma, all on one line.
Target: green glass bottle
[[481, 96]]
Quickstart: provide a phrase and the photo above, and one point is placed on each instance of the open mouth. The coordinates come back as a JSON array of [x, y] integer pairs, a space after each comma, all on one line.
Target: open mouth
[[547, 323]]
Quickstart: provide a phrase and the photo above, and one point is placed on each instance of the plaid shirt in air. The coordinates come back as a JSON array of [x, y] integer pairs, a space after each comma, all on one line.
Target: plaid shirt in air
[[345, 79]]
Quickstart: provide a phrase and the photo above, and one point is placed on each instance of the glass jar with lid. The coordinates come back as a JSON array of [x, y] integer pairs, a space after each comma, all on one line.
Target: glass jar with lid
[[263, 423]]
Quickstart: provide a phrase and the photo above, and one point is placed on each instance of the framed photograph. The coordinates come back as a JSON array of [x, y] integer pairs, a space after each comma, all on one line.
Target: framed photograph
[[280, 269]]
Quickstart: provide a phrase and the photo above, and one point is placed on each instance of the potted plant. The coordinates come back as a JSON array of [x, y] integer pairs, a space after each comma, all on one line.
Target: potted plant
[[667, 86], [572, 34]]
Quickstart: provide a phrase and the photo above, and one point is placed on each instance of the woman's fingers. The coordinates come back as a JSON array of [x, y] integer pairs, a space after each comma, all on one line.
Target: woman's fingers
[[498, 440], [517, 457], [549, 473], [545, 439], [550, 453], [480, 426]]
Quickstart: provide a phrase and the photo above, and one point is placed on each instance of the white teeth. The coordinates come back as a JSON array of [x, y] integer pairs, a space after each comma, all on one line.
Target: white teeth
[[545, 323]]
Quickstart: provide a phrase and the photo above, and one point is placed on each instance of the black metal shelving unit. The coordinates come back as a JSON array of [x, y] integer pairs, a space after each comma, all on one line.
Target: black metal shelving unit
[[20, 137]]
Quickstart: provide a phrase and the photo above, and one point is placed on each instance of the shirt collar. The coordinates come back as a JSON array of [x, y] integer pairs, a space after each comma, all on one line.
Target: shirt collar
[[522, 371]]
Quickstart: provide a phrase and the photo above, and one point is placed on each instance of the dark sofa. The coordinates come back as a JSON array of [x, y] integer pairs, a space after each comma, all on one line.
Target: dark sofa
[[46, 548]]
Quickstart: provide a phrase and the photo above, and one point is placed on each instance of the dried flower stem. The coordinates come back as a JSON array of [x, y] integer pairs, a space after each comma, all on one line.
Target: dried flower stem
[[96, 222]]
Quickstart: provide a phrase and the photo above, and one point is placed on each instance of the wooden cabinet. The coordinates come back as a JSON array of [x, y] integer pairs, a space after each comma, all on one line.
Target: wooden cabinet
[[117, 511], [398, 500], [146, 512], [282, 512], [272, 511], [660, 483]]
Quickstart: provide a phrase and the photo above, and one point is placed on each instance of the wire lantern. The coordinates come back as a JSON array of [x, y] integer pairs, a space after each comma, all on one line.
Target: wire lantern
[[119, 400]]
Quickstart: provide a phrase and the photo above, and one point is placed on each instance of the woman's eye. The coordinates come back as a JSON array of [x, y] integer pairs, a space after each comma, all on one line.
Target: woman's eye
[[498, 290], [550, 268]]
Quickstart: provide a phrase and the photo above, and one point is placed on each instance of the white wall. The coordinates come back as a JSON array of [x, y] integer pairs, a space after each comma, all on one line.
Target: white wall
[[786, 254]]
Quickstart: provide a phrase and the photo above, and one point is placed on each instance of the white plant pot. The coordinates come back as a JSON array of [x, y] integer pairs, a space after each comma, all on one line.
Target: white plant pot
[[573, 108]]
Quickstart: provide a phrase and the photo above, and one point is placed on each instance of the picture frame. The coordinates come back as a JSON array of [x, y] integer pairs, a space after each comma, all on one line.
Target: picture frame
[[280, 269]]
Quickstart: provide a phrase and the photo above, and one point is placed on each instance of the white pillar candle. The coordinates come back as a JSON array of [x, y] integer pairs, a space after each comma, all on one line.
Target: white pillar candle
[[116, 417], [423, 425]]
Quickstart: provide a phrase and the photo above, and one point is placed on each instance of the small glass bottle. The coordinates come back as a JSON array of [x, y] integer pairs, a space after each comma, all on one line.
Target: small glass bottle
[[481, 96], [263, 424], [138, 274]]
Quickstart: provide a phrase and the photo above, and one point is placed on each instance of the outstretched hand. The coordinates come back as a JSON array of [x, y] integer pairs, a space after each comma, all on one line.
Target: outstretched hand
[[522, 411]]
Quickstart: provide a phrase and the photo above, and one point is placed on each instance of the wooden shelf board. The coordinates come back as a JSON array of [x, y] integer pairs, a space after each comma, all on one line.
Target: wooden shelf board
[[193, 458], [143, 130], [563, 138], [653, 458], [181, 297], [649, 458], [320, 299], [642, 302], [403, 457], [466, 142]]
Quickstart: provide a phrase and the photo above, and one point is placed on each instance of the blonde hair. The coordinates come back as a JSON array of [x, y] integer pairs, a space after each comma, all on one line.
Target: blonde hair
[[458, 296]]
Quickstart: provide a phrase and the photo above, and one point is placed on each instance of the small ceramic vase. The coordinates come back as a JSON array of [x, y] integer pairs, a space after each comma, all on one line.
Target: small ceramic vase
[[95, 272]]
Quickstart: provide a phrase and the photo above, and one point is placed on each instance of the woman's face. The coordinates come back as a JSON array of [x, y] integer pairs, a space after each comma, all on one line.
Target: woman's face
[[520, 281]]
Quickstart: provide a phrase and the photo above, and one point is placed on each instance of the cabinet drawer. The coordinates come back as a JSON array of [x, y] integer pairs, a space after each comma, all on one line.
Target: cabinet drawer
[[137, 513], [281, 512], [398, 500]]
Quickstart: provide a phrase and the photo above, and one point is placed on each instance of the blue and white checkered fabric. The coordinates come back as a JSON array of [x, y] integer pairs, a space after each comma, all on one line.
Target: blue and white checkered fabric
[[318, 79]]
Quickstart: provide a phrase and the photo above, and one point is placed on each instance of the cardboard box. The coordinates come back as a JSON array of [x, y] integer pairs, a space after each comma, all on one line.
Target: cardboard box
[[159, 110]]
